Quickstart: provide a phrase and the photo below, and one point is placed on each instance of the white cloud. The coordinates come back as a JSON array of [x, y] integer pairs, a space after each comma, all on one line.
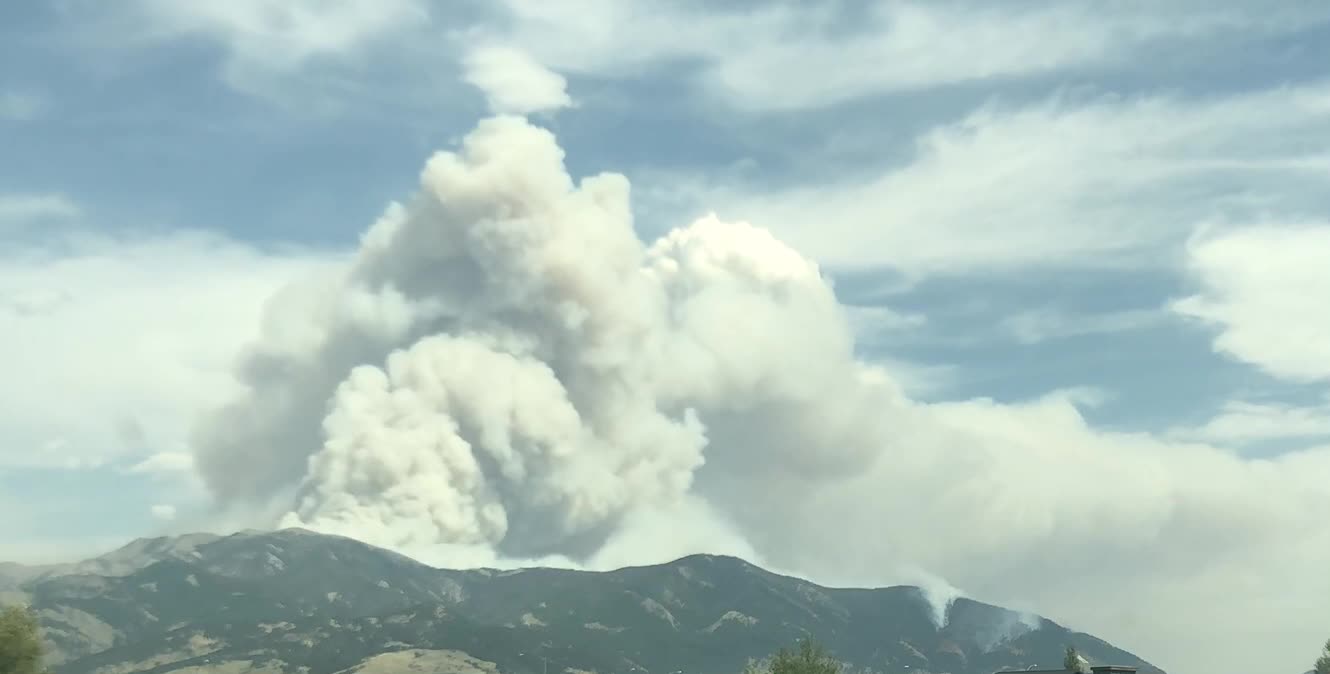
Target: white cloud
[[878, 328], [513, 82], [281, 34], [774, 56], [1040, 325], [32, 209], [872, 322], [786, 56], [1064, 183], [165, 464], [620, 38], [1240, 423], [902, 46], [1265, 290], [108, 335]]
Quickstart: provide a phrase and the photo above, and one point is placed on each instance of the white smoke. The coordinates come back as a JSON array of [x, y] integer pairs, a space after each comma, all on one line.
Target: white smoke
[[1008, 627], [504, 371], [938, 594], [506, 365], [514, 82]]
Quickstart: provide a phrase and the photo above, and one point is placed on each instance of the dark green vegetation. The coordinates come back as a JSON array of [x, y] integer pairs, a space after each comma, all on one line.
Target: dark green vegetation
[[20, 646], [1323, 662], [811, 658], [290, 599], [1073, 662]]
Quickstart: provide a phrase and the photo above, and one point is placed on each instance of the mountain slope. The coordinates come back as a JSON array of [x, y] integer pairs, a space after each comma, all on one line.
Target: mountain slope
[[297, 601]]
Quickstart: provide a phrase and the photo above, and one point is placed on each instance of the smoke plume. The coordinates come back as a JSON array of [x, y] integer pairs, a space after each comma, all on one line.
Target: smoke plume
[[504, 370], [504, 364]]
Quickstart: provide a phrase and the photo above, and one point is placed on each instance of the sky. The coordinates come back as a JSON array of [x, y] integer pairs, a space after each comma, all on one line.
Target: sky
[[1029, 301]]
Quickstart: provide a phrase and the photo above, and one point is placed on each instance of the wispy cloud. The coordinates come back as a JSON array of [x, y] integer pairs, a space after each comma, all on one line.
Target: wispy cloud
[[114, 328], [1040, 325], [280, 34], [319, 57], [165, 464], [787, 56], [872, 323], [1265, 289], [1064, 183], [771, 57], [1241, 423], [30, 209]]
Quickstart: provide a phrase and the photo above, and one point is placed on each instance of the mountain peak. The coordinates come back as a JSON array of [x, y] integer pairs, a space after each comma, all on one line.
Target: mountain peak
[[724, 561], [328, 603]]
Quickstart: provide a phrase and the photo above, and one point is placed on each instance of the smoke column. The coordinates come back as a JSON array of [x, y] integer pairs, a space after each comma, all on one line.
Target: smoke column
[[505, 365], [504, 372]]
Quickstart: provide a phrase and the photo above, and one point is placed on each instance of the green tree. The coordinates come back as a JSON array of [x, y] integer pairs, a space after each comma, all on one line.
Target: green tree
[[810, 658], [1073, 662], [20, 642], [1323, 662]]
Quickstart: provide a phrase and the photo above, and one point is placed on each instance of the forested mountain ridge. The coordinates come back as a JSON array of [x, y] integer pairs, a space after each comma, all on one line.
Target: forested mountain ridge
[[295, 601]]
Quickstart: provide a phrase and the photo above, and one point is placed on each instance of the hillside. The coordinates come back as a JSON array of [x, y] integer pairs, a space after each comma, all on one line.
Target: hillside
[[297, 601]]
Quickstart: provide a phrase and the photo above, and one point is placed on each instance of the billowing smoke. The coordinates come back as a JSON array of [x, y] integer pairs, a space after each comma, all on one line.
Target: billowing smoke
[[504, 370], [504, 364]]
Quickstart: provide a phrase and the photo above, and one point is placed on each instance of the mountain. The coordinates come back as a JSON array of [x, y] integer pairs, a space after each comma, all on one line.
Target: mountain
[[296, 601]]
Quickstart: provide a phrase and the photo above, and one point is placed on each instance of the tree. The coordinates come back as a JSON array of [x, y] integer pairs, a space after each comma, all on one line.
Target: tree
[[20, 642], [1073, 662], [810, 658], [1323, 662]]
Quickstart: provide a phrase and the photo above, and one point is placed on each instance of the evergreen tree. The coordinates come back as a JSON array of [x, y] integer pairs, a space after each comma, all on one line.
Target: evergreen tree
[[1323, 662], [20, 642]]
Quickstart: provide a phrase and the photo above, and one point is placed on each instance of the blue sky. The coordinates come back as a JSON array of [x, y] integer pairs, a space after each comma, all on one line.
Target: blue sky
[[1120, 206]]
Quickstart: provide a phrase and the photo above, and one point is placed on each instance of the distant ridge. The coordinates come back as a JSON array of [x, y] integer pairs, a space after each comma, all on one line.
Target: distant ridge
[[286, 600]]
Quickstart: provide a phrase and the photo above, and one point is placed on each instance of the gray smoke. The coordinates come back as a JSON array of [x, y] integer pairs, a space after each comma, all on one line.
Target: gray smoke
[[504, 364], [505, 371]]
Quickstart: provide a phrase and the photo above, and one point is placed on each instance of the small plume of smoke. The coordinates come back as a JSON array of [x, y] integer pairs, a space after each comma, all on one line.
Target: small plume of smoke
[[693, 526], [1026, 621], [1006, 626], [937, 593]]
